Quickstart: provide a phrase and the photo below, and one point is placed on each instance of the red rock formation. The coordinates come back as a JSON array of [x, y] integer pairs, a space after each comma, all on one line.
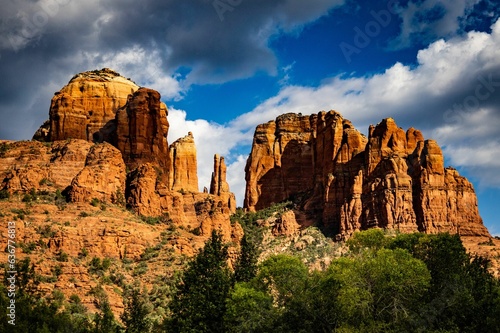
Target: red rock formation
[[203, 212], [394, 179], [286, 225], [142, 129], [141, 191], [281, 161], [184, 167], [85, 108], [219, 185], [33, 165], [103, 176]]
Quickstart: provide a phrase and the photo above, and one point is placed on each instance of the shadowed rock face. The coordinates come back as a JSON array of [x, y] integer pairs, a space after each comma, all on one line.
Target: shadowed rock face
[[142, 129], [392, 179]]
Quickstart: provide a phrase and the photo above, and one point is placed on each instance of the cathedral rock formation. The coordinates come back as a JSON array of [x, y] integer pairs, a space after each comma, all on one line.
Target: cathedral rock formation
[[393, 179], [107, 139]]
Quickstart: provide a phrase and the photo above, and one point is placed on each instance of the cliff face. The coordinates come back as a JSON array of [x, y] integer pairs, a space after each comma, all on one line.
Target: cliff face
[[392, 179]]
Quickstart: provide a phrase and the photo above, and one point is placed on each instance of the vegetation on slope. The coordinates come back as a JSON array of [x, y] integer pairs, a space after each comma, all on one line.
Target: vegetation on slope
[[381, 283]]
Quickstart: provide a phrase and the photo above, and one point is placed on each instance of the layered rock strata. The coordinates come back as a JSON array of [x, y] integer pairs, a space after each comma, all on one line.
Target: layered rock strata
[[102, 178], [393, 179]]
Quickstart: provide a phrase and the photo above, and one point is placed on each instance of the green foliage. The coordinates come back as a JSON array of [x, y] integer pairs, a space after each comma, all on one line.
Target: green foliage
[[381, 288], [28, 247], [135, 315], [162, 219], [62, 256], [104, 320], [249, 310], [200, 303], [21, 213], [120, 198], [248, 220], [246, 265], [98, 267], [4, 148], [46, 181], [283, 276], [407, 283], [45, 231], [83, 253], [60, 200], [35, 313], [95, 202], [372, 239], [30, 197], [462, 293]]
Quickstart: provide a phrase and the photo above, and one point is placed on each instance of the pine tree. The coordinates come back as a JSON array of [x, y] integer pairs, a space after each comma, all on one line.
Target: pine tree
[[246, 266], [104, 322], [134, 316], [200, 303]]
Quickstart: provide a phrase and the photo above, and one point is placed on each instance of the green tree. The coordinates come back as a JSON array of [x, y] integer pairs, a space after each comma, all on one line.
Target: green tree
[[104, 321], [249, 310], [282, 276], [246, 265], [381, 291], [463, 296], [135, 315], [314, 308], [200, 303], [35, 313], [372, 239]]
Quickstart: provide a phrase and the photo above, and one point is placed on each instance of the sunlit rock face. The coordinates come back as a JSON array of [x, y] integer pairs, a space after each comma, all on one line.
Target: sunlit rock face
[[340, 179]]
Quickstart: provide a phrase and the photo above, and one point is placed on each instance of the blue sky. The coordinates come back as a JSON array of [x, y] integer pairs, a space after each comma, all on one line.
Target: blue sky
[[224, 66]]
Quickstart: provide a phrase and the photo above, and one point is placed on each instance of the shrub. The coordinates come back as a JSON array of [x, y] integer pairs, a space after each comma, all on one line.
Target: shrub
[[62, 256], [4, 194], [84, 214], [95, 202]]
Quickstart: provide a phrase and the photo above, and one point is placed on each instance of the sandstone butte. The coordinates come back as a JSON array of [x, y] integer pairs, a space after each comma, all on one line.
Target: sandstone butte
[[394, 179], [105, 143], [108, 141]]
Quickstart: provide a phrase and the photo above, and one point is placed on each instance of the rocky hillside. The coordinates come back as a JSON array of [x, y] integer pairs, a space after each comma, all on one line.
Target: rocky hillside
[[338, 178]]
